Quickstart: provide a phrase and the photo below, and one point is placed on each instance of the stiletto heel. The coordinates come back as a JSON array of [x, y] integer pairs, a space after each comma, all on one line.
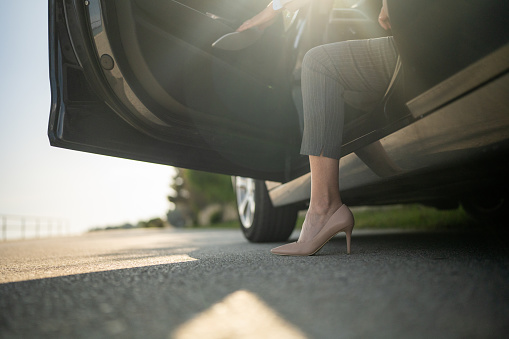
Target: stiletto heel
[[348, 239], [341, 221]]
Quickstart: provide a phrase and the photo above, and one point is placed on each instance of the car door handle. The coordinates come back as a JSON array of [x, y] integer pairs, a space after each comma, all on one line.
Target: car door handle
[[226, 21], [238, 40]]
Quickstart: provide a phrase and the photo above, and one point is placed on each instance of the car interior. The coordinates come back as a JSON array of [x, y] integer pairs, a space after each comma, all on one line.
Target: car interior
[[241, 109], [248, 99]]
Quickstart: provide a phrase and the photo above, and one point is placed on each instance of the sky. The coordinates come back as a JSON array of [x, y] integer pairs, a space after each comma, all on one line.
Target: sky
[[37, 180]]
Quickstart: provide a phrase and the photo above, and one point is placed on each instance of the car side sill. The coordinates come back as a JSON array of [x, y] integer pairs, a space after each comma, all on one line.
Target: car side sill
[[462, 83], [291, 192]]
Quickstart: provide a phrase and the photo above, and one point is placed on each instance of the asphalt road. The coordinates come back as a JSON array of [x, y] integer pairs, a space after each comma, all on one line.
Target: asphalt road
[[213, 284]]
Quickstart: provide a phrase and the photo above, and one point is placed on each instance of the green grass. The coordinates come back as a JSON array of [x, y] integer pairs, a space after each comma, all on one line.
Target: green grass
[[411, 217], [408, 217]]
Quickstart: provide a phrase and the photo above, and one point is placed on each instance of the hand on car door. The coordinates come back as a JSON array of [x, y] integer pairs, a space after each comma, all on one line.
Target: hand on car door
[[383, 18], [262, 20]]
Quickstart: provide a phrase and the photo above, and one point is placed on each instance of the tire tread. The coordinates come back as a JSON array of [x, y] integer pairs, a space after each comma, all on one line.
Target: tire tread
[[270, 224]]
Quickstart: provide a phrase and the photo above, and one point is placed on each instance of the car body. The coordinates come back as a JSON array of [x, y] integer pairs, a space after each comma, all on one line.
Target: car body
[[141, 79]]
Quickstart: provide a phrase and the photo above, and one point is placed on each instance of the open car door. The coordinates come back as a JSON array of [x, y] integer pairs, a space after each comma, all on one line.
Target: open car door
[[148, 80], [140, 79]]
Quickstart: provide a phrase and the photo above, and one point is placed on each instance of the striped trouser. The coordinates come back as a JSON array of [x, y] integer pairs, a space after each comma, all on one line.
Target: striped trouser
[[355, 72]]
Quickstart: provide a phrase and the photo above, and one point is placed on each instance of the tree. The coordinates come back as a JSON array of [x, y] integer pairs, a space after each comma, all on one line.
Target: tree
[[180, 215], [193, 191]]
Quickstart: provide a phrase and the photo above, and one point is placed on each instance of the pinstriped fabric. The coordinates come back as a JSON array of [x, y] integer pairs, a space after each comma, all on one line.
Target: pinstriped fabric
[[356, 72]]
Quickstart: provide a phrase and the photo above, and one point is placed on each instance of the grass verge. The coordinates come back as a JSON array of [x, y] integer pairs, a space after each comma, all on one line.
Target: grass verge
[[408, 217], [411, 217]]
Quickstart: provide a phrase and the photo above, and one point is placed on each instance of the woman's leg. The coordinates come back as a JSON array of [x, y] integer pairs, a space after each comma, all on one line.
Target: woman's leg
[[356, 72], [325, 197]]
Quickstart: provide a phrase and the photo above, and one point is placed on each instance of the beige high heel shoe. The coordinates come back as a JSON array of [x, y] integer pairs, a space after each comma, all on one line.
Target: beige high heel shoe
[[341, 221]]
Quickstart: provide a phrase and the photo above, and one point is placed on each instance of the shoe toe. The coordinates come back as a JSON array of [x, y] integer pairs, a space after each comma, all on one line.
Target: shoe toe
[[287, 249]]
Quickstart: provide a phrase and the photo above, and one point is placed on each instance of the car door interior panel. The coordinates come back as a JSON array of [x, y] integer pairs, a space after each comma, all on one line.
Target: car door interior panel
[[180, 59], [182, 92]]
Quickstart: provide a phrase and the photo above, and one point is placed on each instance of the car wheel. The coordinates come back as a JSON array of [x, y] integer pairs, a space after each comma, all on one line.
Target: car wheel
[[259, 220], [489, 207]]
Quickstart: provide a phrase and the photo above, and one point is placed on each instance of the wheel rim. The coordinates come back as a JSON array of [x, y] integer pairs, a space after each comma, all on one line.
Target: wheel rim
[[245, 189]]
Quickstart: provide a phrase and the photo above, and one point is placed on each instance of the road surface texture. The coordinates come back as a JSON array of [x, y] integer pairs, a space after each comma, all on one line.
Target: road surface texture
[[214, 284]]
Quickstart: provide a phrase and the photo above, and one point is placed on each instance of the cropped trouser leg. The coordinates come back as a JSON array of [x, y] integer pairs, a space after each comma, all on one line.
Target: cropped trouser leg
[[354, 72]]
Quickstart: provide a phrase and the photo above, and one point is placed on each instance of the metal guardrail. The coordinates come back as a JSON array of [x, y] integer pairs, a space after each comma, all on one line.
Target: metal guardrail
[[27, 227]]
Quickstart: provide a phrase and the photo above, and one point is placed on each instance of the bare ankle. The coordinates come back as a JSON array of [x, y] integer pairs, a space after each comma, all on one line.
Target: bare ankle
[[325, 207]]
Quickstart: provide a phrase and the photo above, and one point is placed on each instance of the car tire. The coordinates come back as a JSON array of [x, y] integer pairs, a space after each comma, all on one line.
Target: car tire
[[260, 221], [487, 208]]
